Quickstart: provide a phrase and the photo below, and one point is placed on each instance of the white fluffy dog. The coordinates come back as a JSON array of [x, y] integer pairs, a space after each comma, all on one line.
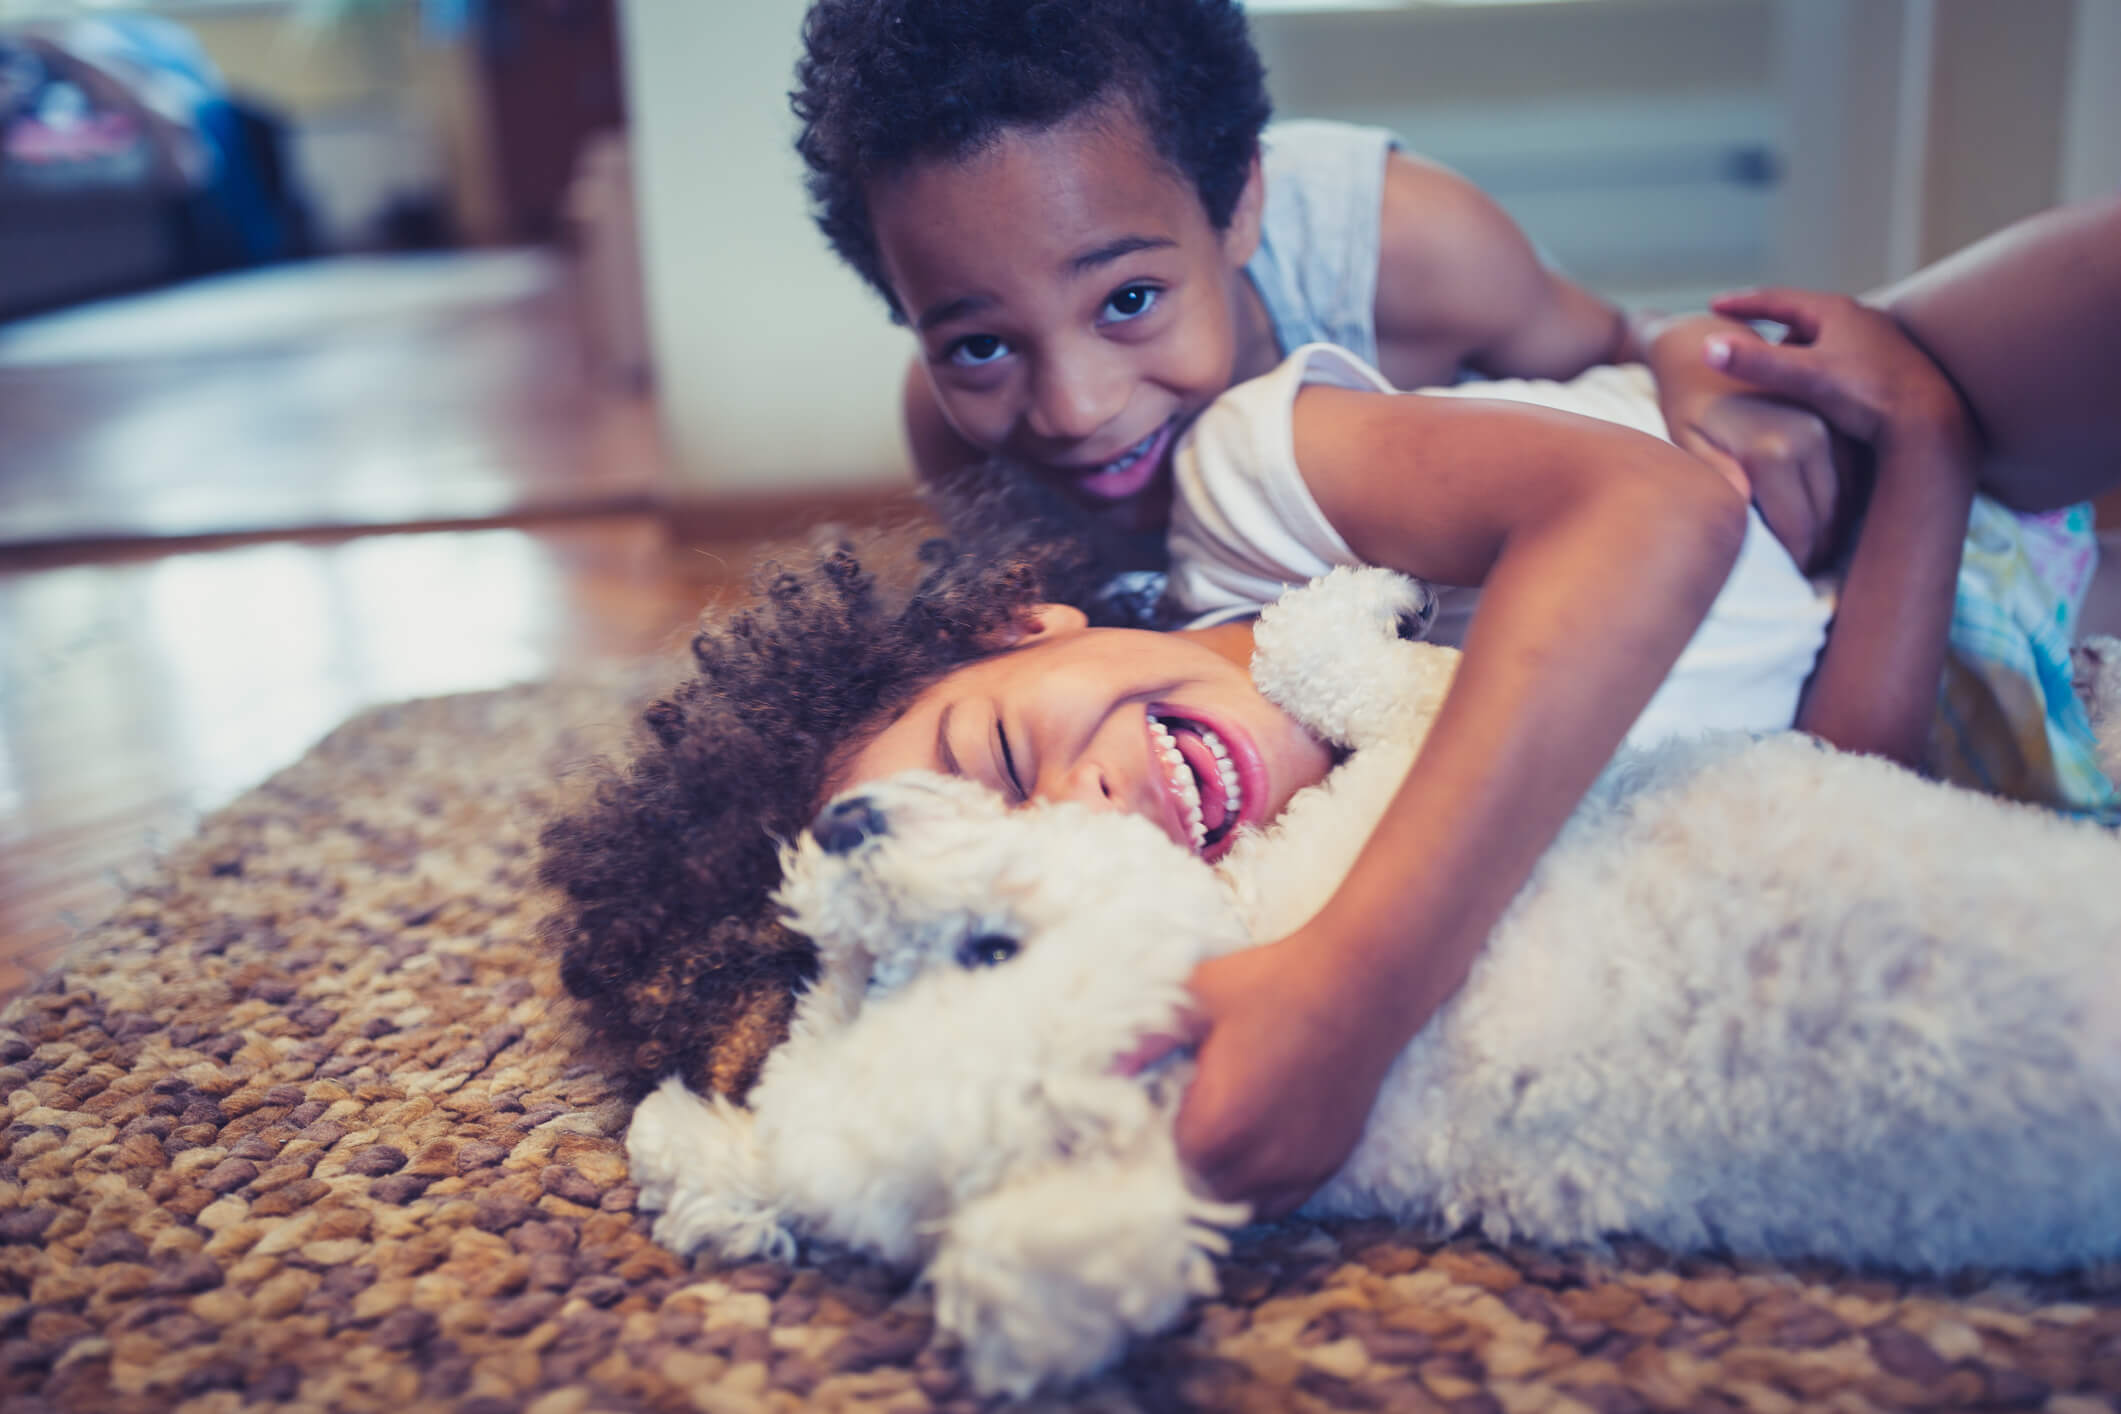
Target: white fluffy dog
[[1759, 998]]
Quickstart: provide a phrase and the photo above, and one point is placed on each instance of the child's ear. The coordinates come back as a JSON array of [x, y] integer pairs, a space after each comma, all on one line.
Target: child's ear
[[1040, 621], [1241, 236]]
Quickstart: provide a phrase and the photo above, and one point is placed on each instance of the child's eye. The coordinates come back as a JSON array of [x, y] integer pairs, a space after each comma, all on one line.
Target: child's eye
[[1132, 302], [1009, 772], [975, 350]]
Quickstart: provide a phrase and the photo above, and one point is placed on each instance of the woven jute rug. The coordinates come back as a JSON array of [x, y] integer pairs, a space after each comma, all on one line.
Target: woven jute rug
[[300, 1127]]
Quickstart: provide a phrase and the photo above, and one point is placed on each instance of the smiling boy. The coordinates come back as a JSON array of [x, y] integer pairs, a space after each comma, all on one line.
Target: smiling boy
[[1081, 213]]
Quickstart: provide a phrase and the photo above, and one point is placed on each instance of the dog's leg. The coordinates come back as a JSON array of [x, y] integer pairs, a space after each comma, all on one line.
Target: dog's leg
[[698, 1163], [1048, 1278]]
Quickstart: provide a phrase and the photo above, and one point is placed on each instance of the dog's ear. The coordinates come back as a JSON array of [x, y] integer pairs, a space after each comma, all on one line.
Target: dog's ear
[[1040, 621]]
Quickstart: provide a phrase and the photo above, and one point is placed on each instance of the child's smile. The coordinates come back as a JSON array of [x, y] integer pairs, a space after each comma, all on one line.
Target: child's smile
[[1074, 304], [1165, 726], [1130, 473]]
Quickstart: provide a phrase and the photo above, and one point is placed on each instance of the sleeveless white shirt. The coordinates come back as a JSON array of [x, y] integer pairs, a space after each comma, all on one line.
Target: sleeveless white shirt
[[1244, 527]]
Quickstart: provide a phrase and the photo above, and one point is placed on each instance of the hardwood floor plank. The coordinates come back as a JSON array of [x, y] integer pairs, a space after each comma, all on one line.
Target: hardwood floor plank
[[173, 626], [350, 392], [144, 693]]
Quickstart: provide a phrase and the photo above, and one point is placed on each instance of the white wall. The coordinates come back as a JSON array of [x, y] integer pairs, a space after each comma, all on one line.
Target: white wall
[[1633, 139], [1853, 83], [1917, 126], [777, 369], [2091, 124]]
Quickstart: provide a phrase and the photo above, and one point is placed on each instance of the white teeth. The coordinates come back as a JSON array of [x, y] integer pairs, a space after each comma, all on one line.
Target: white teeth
[[1127, 456], [1186, 788], [1227, 769], [1182, 782]]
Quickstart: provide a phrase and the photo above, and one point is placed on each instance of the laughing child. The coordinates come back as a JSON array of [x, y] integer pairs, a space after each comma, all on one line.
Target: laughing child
[[1083, 238], [667, 873]]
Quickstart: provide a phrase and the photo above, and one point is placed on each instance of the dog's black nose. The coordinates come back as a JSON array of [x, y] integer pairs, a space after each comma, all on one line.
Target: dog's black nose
[[844, 824]]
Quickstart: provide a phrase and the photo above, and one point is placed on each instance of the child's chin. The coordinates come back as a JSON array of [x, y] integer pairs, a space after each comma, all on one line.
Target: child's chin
[[1148, 509]]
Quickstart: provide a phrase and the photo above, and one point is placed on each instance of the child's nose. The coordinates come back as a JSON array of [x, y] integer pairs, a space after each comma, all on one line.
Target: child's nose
[[1084, 783], [1074, 397]]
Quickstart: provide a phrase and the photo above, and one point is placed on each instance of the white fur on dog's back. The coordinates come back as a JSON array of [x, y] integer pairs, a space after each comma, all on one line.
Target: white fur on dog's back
[[1708, 1025], [1759, 995]]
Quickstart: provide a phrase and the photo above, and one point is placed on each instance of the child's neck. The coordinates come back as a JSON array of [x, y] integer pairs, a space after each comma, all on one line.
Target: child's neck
[[1231, 640], [1258, 348]]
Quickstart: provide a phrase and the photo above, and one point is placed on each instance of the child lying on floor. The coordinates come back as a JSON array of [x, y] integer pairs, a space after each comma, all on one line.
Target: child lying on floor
[[1072, 231], [1592, 589], [1592, 543]]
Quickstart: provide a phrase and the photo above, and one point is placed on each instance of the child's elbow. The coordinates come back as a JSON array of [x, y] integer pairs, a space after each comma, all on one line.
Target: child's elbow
[[1702, 516], [1725, 512]]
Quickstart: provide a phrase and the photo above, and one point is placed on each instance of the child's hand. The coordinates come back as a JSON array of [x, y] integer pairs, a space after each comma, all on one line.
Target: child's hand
[[1849, 362], [1874, 689], [1287, 1073], [1780, 455]]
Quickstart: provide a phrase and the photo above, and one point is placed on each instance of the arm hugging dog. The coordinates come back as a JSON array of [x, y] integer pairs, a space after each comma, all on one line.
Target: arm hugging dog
[[1759, 997]]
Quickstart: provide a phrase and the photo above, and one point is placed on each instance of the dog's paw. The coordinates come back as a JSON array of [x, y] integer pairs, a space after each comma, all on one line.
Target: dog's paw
[[697, 1164], [737, 1232], [1046, 1281]]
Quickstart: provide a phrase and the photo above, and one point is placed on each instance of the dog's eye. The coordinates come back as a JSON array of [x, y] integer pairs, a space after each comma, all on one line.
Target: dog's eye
[[986, 950]]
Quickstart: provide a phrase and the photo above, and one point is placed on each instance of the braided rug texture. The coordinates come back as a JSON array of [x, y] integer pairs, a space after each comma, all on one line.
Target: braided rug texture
[[301, 1127]]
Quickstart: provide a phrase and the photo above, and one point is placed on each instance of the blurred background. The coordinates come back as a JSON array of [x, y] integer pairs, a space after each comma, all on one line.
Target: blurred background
[[361, 349]]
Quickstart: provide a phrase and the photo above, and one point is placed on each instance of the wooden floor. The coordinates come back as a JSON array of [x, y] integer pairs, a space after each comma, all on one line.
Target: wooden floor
[[145, 683]]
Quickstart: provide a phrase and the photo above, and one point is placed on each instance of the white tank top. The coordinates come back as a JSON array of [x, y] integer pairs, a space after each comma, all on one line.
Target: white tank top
[[1245, 527]]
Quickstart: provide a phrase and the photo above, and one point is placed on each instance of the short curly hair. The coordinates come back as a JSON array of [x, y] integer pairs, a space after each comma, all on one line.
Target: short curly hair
[[883, 84], [664, 923]]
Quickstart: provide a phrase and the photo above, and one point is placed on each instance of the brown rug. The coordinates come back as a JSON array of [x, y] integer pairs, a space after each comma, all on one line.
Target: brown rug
[[299, 1128]]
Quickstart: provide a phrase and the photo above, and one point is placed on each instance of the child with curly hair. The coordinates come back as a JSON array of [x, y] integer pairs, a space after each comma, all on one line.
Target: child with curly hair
[[1601, 548], [664, 929], [1105, 257]]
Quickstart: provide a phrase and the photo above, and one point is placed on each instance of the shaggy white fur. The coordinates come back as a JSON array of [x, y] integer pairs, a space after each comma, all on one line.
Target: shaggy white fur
[[1759, 997]]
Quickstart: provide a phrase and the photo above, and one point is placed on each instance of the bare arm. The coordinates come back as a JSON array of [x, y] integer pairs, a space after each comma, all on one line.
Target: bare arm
[[1875, 687], [1600, 549], [2024, 323], [1459, 285]]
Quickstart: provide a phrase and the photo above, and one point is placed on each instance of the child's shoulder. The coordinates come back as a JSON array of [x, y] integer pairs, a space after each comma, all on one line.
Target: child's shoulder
[[1434, 221], [1453, 268]]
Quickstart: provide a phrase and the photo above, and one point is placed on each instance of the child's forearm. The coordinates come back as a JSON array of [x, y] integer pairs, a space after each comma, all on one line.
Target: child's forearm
[[2024, 322], [1579, 622], [1875, 687]]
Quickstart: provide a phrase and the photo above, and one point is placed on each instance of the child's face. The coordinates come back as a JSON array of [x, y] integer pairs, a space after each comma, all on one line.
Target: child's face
[[1160, 725], [1073, 302]]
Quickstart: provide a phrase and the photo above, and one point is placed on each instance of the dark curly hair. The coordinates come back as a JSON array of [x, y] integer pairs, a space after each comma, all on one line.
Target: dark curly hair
[[886, 83], [664, 926]]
